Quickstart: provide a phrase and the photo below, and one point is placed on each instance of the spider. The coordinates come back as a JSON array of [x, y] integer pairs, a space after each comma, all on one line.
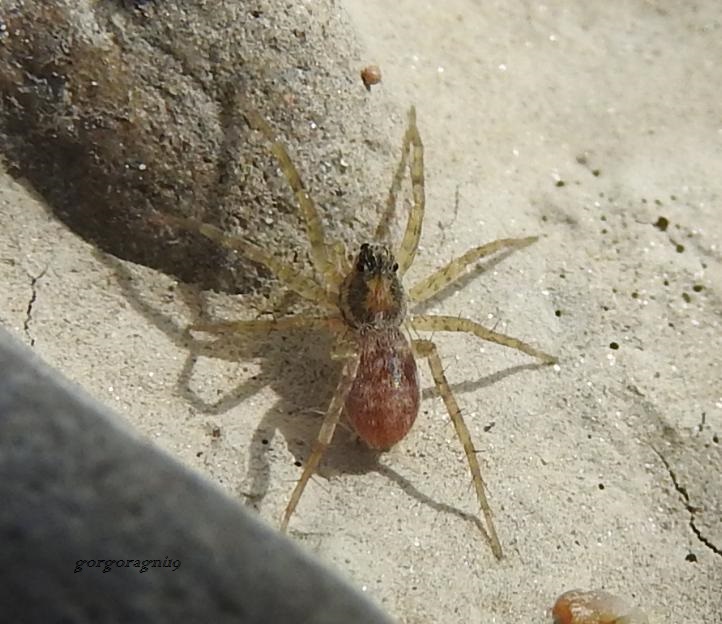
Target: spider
[[366, 309]]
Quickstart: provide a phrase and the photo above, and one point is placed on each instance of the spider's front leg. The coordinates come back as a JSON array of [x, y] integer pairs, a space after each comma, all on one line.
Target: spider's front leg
[[383, 229], [296, 281], [324, 257], [348, 376], [446, 275], [427, 349], [412, 145]]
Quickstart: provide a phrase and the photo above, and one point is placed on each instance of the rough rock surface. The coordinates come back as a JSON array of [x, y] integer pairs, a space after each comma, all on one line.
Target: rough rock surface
[[113, 110], [79, 487]]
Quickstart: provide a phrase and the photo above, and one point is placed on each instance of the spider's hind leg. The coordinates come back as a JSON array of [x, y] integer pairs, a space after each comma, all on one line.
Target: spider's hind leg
[[255, 326], [427, 349]]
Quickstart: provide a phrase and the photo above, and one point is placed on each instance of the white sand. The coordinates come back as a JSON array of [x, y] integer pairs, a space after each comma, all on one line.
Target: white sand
[[580, 461]]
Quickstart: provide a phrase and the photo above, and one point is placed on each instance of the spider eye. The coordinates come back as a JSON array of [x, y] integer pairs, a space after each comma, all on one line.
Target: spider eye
[[366, 261], [395, 267]]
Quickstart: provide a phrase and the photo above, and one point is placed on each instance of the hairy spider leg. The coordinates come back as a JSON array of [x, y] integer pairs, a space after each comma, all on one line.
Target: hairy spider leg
[[303, 285], [445, 276], [427, 349], [341, 259], [410, 242], [325, 266], [348, 376], [266, 325], [383, 229], [427, 322]]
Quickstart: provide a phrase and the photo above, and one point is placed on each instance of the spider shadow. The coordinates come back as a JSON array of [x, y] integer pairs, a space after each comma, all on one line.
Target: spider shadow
[[474, 385], [296, 365], [411, 490], [298, 368]]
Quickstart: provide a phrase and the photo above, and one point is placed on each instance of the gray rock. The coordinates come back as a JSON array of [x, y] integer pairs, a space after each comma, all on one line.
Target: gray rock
[[113, 110], [80, 489]]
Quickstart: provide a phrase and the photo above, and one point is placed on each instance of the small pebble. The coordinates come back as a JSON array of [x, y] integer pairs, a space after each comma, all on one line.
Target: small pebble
[[370, 75], [594, 607]]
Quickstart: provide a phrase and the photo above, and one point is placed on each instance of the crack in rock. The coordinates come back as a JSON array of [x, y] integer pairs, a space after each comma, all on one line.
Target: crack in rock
[[691, 509], [29, 309]]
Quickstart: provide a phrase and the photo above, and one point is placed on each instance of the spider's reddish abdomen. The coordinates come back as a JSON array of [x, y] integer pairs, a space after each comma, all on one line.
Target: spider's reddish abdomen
[[384, 400]]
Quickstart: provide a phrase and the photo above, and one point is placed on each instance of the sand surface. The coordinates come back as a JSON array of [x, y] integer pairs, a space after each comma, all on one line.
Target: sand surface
[[598, 128]]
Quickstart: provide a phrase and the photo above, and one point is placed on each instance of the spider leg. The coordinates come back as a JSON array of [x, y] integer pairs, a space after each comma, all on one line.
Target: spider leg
[[410, 242], [340, 258], [383, 229], [348, 375], [264, 325], [431, 285], [427, 322], [427, 349], [319, 256], [305, 286]]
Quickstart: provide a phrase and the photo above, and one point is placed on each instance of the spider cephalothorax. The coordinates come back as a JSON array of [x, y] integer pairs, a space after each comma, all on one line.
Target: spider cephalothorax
[[372, 294]]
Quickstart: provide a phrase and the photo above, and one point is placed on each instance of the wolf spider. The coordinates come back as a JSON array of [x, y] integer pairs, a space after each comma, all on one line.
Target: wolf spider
[[378, 389]]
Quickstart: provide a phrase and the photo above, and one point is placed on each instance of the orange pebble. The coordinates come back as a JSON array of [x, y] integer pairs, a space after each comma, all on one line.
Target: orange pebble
[[370, 75], [594, 607]]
